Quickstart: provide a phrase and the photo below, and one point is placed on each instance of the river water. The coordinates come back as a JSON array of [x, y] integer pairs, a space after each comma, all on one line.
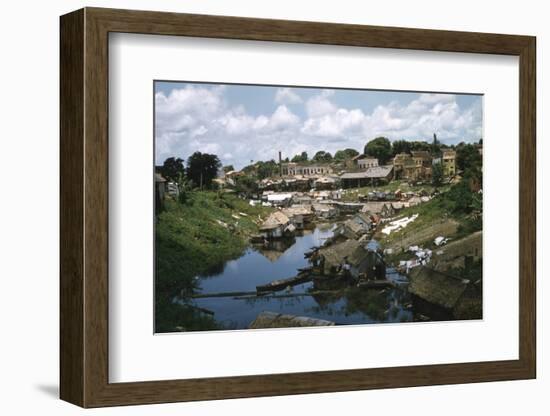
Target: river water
[[261, 266]]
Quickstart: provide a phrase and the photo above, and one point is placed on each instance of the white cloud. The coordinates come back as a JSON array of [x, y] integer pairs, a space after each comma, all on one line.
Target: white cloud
[[335, 124], [320, 105], [283, 118], [430, 113], [287, 96], [200, 118]]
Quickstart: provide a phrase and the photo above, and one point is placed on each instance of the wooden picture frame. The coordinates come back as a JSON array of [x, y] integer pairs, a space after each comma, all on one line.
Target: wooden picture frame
[[84, 207]]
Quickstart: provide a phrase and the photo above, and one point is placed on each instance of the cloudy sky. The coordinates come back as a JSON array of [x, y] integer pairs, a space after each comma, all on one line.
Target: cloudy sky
[[244, 123]]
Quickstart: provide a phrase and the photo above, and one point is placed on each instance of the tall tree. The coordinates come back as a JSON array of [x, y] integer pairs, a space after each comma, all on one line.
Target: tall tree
[[437, 174], [418, 145], [172, 169], [322, 156], [300, 158], [266, 169], [202, 168], [246, 185], [379, 148], [342, 155], [401, 146], [435, 147], [467, 157]]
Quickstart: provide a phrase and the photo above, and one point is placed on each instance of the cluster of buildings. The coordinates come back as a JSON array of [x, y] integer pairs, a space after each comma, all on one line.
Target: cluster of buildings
[[347, 253], [298, 209], [360, 171], [418, 165]]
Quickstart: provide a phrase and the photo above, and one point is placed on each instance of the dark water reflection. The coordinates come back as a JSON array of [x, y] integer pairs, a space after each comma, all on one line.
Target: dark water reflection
[[281, 260]]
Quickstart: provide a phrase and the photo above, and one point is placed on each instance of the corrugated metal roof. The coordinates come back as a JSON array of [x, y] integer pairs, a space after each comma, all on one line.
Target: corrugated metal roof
[[372, 172]]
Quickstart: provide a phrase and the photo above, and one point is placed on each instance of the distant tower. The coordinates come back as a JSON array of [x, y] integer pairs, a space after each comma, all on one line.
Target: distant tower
[[434, 146], [280, 165]]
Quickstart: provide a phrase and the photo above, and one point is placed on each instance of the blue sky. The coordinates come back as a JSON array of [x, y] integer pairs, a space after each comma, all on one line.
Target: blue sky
[[244, 123]]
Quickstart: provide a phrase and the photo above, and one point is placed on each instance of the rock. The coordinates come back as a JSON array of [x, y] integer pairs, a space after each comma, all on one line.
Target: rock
[[268, 319]]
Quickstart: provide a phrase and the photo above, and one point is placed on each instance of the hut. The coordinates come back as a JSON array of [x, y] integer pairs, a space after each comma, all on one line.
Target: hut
[[160, 192], [276, 226], [302, 199], [372, 176], [355, 227], [172, 189], [353, 257], [381, 208], [300, 215], [325, 183], [325, 211], [457, 253], [279, 199], [443, 296]]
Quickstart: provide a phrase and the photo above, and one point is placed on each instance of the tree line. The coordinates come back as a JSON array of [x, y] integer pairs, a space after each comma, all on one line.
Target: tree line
[[199, 171]]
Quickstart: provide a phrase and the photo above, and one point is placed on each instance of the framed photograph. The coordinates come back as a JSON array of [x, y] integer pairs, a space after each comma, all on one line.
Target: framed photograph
[[255, 207]]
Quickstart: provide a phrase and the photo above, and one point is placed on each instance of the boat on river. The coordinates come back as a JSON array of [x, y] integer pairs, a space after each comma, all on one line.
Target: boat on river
[[281, 284]]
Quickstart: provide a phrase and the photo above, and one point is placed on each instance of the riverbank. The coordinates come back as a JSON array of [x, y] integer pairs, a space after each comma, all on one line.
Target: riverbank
[[203, 248], [440, 250], [440, 216], [197, 238]]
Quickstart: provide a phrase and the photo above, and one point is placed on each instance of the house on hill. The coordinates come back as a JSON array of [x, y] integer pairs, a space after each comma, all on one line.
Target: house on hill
[[449, 162], [383, 208], [304, 169], [413, 167], [364, 162], [370, 177]]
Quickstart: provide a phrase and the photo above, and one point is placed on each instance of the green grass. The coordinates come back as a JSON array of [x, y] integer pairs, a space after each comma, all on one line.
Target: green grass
[[441, 207], [196, 238]]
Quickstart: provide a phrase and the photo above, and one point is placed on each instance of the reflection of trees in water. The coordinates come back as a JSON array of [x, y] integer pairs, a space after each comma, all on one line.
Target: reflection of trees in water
[[274, 249], [378, 305], [281, 301], [215, 270]]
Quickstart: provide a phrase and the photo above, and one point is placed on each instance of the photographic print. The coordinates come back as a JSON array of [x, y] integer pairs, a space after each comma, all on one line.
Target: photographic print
[[294, 206]]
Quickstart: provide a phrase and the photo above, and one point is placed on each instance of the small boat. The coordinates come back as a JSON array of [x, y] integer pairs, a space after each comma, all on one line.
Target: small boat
[[375, 284], [281, 284]]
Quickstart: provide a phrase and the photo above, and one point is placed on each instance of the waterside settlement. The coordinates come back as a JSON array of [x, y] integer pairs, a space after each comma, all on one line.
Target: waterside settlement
[[404, 240]]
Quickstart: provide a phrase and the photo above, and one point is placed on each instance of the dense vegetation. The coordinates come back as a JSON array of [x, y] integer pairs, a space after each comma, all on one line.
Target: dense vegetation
[[194, 239], [380, 148]]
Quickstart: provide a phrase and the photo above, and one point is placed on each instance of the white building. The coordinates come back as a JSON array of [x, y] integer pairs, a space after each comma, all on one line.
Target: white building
[[366, 162]]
